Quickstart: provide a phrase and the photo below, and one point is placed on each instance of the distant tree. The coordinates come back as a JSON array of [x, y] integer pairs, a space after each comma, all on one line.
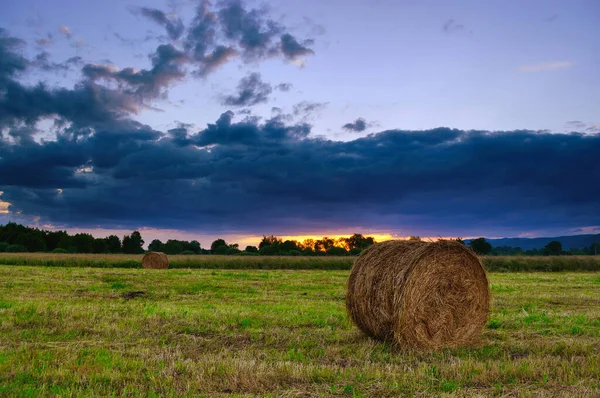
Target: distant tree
[[414, 238], [155, 246], [193, 246], [594, 249], [16, 249], [65, 242], [481, 246], [99, 246], [355, 251], [233, 250], [33, 240], [52, 239], [289, 245], [269, 241], [308, 251], [234, 246], [173, 246], [268, 251], [358, 241], [83, 243], [113, 244], [553, 248], [133, 244], [506, 251], [3, 246], [308, 244], [216, 244], [251, 249], [336, 251], [323, 244], [221, 250]]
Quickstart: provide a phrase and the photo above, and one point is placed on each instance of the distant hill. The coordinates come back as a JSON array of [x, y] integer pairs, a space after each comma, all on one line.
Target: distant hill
[[568, 242]]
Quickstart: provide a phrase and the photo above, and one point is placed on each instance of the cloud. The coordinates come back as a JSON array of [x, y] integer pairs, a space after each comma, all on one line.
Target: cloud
[[42, 61], [11, 62], [308, 110], [251, 91], [292, 49], [44, 41], [315, 28], [218, 57], [252, 30], [595, 129], [284, 87], [66, 31], [217, 35], [172, 23], [167, 62], [556, 65], [358, 125], [575, 124], [87, 105], [451, 26]]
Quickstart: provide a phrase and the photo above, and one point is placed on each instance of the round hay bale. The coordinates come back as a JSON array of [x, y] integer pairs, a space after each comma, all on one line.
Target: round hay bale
[[155, 260], [418, 294]]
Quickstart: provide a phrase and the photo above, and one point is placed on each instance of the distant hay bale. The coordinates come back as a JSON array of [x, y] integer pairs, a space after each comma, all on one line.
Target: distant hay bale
[[418, 294], [155, 260]]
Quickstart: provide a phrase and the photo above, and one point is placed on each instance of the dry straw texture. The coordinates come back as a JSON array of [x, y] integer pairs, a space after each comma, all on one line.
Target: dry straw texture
[[418, 294], [155, 260]]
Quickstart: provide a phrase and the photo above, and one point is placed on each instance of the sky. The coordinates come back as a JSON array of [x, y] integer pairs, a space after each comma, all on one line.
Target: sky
[[234, 119]]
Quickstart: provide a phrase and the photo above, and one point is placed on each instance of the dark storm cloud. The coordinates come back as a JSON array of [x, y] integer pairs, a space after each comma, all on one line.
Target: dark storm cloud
[[172, 24], [358, 125], [240, 175], [251, 91]]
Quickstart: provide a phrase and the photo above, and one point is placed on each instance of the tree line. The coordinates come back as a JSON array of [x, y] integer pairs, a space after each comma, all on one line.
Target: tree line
[[554, 248], [19, 238]]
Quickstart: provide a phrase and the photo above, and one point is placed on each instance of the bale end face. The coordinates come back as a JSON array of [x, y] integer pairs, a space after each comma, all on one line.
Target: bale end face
[[155, 260], [418, 294]]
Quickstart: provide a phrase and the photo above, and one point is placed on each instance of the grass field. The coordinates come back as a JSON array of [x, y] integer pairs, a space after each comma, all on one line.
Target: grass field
[[496, 263], [131, 332]]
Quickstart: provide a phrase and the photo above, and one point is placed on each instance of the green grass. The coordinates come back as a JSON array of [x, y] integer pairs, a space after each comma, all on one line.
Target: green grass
[[126, 332], [494, 264]]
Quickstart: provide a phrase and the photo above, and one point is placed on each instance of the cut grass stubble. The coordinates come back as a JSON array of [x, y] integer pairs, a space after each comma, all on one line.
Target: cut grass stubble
[[82, 331]]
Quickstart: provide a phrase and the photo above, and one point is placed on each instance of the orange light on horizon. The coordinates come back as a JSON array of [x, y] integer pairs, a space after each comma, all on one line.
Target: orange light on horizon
[[379, 237]]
